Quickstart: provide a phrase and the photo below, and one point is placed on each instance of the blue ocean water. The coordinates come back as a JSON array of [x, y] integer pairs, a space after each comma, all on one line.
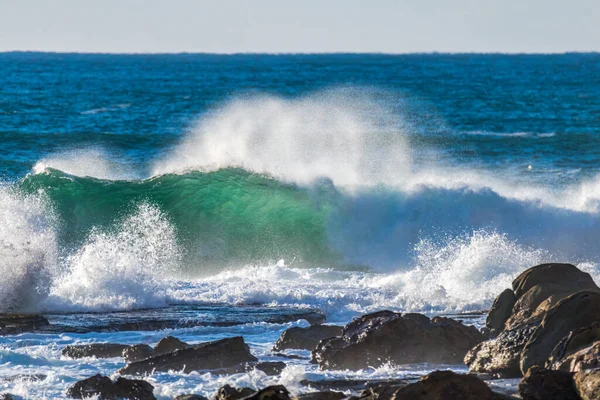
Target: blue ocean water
[[348, 183]]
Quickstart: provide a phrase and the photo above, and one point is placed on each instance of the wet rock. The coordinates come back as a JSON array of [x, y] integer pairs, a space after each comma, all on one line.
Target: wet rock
[[576, 311], [306, 338], [25, 377], [375, 339], [138, 352], [586, 358], [122, 388], [290, 356], [268, 367], [587, 384], [354, 385], [543, 384], [321, 396], [7, 396], [442, 385], [98, 350], [230, 393], [500, 356], [501, 311], [275, 392], [575, 351], [11, 324], [564, 275], [225, 353], [190, 397], [169, 344]]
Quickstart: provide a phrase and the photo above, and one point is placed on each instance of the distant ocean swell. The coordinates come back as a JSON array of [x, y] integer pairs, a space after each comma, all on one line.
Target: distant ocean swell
[[323, 184]]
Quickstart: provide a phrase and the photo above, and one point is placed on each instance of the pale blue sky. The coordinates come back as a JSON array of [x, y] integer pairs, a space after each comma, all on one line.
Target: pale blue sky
[[227, 26]]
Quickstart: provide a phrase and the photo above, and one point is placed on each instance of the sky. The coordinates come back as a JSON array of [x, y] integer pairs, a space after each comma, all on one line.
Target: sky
[[303, 26]]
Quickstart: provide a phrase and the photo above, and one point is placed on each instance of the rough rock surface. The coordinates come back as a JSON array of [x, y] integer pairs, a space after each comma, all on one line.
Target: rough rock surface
[[443, 385], [321, 396], [543, 384], [230, 393], [306, 338], [225, 353], [98, 350], [16, 323], [169, 344], [190, 397], [375, 339], [576, 311], [587, 384], [500, 356], [275, 392], [122, 388], [138, 352], [574, 351], [500, 312]]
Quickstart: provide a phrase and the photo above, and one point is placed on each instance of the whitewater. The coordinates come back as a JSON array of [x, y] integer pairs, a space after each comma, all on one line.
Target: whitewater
[[333, 199]]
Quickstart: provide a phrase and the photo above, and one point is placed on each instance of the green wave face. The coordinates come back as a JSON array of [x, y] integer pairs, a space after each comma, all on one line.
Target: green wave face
[[226, 216]]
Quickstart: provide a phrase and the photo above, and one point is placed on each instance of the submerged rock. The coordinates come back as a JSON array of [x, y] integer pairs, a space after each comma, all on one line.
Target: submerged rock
[[275, 392], [542, 384], [306, 338], [122, 388], [270, 368], [220, 354], [11, 324], [587, 384], [190, 397], [321, 396], [169, 344], [442, 385], [138, 352], [98, 350], [375, 339]]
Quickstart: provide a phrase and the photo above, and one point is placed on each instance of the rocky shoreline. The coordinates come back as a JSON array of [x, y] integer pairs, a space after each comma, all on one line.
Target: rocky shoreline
[[544, 330]]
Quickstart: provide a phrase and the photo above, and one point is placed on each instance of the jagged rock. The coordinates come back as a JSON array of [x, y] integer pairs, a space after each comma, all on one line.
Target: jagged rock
[[230, 393], [587, 384], [576, 311], [219, 354], [553, 273], [375, 339], [543, 384], [270, 368], [501, 311], [321, 396], [169, 344], [500, 356], [122, 388], [275, 392], [190, 397], [98, 350], [290, 356], [138, 352], [306, 338], [11, 324], [586, 358], [442, 385], [573, 351]]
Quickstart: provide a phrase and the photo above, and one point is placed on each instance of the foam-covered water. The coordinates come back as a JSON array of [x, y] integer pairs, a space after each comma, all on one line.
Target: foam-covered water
[[365, 184]]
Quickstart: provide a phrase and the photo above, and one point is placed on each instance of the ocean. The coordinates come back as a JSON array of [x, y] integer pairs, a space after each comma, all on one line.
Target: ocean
[[239, 187]]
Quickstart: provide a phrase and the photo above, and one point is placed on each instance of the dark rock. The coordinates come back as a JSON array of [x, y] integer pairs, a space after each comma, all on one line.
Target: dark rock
[[586, 358], [223, 353], [375, 339], [554, 273], [230, 393], [443, 385], [321, 396], [11, 324], [306, 338], [354, 385], [500, 356], [576, 311], [268, 367], [169, 345], [290, 356], [276, 392], [501, 311], [7, 396], [122, 388], [587, 384], [190, 397], [98, 350], [25, 377], [543, 384], [574, 349], [138, 352]]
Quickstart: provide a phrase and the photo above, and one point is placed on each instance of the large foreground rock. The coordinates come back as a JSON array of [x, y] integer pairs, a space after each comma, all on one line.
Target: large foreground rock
[[388, 337], [446, 385], [543, 384], [577, 351], [587, 384], [306, 338], [221, 354], [574, 312], [98, 350], [103, 386]]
